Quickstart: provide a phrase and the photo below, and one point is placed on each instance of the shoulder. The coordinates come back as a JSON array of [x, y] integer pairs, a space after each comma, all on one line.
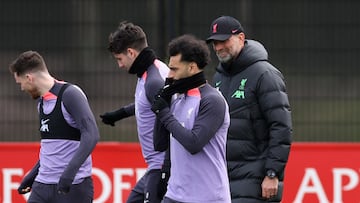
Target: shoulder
[[264, 69], [158, 69], [155, 77], [211, 96], [73, 91], [212, 103]]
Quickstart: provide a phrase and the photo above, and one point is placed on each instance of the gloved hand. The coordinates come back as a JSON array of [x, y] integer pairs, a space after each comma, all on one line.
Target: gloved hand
[[25, 185], [159, 104], [110, 118], [165, 95], [63, 186]]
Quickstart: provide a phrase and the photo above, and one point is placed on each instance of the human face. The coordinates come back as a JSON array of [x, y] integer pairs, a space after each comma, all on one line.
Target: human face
[[179, 69], [229, 49], [126, 59], [26, 83]]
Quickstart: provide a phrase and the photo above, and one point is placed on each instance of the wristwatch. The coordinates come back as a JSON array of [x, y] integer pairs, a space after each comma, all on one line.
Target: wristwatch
[[271, 174]]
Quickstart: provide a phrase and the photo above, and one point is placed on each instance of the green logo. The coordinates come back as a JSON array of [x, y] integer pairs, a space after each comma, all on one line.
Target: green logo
[[240, 92], [242, 84], [217, 84]]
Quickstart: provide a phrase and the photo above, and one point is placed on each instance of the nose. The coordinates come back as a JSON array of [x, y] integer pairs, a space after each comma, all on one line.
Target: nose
[[121, 65], [171, 74]]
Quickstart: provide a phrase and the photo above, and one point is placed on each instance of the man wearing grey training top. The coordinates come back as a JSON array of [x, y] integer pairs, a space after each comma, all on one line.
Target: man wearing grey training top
[[68, 135], [196, 124], [129, 46]]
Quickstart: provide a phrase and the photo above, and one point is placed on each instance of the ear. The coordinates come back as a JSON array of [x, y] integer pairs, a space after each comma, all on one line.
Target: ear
[[193, 67], [29, 77], [242, 36], [132, 52]]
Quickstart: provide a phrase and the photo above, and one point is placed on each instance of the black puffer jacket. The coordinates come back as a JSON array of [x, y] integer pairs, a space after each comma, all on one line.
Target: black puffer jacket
[[260, 131]]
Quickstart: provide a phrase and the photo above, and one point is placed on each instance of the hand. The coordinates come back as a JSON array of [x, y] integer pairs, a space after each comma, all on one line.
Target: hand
[[64, 185], [25, 185], [110, 118], [159, 104], [269, 187], [23, 189], [165, 94]]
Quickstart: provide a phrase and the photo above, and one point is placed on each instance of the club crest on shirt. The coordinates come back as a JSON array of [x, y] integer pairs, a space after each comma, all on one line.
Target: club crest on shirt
[[44, 126]]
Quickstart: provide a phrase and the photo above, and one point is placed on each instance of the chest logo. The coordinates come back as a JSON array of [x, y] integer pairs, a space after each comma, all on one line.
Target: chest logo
[[240, 92], [217, 85], [44, 126]]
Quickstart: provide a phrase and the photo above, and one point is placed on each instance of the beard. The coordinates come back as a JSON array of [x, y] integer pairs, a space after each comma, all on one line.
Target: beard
[[224, 58], [35, 94]]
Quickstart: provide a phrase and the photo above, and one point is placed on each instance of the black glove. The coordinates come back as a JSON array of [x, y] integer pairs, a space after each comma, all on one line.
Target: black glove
[[163, 94], [26, 185], [63, 186], [110, 118], [159, 104], [163, 97]]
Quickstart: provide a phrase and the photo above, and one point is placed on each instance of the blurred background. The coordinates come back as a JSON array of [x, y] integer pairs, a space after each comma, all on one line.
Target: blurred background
[[315, 43]]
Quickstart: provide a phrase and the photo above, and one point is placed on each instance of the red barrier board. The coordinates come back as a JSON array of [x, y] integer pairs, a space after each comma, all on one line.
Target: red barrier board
[[316, 172], [116, 168], [323, 172]]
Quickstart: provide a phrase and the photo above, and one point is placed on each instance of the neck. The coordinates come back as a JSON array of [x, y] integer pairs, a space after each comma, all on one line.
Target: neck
[[185, 84], [145, 58], [45, 83]]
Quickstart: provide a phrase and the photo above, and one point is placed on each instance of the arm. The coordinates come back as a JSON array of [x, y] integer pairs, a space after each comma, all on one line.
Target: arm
[[275, 107], [153, 86], [129, 109], [274, 104], [78, 107], [110, 118], [28, 180], [208, 121], [161, 137]]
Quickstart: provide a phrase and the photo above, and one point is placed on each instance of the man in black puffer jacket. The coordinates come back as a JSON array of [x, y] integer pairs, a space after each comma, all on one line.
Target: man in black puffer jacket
[[260, 132]]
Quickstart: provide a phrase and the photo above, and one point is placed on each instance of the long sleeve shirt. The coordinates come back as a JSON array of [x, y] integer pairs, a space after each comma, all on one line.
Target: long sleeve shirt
[[198, 123]]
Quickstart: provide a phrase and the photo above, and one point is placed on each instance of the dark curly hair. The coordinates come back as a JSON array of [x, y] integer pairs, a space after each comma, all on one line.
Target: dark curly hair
[[191, 49]]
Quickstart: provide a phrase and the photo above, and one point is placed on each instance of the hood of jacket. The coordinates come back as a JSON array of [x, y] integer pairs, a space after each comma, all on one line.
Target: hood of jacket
[[251, 53]]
